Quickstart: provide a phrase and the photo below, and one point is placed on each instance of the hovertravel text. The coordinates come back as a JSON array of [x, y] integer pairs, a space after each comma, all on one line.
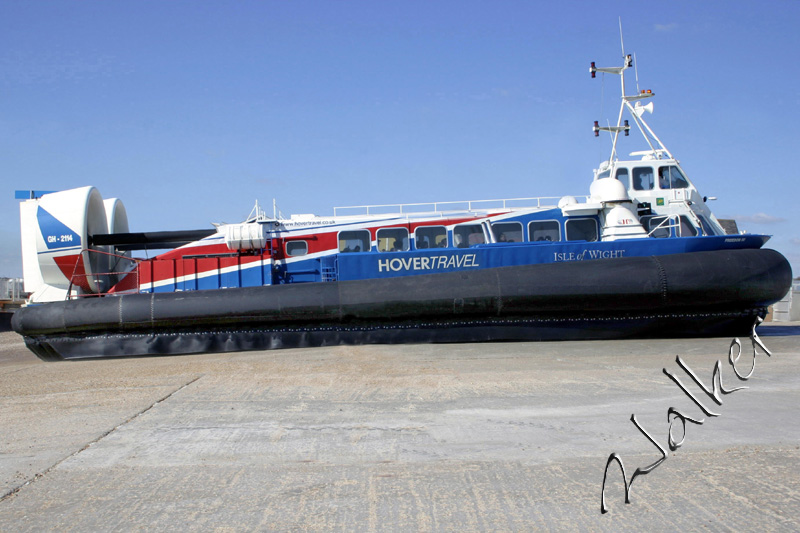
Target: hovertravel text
[[436, 262]]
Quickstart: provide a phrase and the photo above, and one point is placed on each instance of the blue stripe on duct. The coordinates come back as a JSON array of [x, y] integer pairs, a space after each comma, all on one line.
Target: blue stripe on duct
[[55, 233]]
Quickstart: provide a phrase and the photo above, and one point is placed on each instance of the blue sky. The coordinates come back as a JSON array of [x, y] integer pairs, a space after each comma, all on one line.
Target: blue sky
[[190, 111]]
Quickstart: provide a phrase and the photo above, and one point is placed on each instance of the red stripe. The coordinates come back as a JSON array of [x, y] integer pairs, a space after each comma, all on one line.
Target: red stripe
[[73, 269]]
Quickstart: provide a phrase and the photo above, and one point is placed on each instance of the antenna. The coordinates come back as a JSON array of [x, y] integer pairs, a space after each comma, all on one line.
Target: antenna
[[637, 112], [636, 71], [276, 212]]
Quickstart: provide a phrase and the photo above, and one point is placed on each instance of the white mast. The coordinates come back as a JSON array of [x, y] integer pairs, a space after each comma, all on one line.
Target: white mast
[[656, 146]]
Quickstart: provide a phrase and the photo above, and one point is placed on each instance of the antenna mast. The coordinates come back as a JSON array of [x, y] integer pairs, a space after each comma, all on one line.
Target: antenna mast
[[658, 149]]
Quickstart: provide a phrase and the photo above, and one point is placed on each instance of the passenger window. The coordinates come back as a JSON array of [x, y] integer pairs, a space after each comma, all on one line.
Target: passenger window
[[643, 178], [623, 176], [430, 237], [354, 241], [658, 227], [671, 178], [582, 229], [392, 240], [708, 229], [295, 248], [544, 230], [687, 228], [507, 231], [466, 235]]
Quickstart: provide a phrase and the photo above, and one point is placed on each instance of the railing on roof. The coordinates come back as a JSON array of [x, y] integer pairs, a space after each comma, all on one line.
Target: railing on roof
[[449, 207]]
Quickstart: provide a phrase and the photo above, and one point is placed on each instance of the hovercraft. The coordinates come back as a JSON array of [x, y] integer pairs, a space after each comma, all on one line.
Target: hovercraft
[[641, 256]]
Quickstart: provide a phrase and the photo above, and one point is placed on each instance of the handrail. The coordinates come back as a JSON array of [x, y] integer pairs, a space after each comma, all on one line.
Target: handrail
[[441, 207], [672, 224], [76, 277]]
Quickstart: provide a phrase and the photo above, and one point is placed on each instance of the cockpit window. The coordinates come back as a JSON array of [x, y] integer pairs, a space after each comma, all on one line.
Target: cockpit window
[[671, 178], [624, 177], [643, 178]]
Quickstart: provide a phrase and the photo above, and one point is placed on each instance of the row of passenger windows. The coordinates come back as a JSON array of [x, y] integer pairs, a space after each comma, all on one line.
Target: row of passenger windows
[[643, 178], [464, 235]]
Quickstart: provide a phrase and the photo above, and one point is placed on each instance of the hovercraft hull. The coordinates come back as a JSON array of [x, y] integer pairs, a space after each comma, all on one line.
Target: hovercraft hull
[[691, 294]]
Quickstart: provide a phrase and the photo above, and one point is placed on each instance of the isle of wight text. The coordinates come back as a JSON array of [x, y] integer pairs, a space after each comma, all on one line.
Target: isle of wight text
[[587, 254]]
